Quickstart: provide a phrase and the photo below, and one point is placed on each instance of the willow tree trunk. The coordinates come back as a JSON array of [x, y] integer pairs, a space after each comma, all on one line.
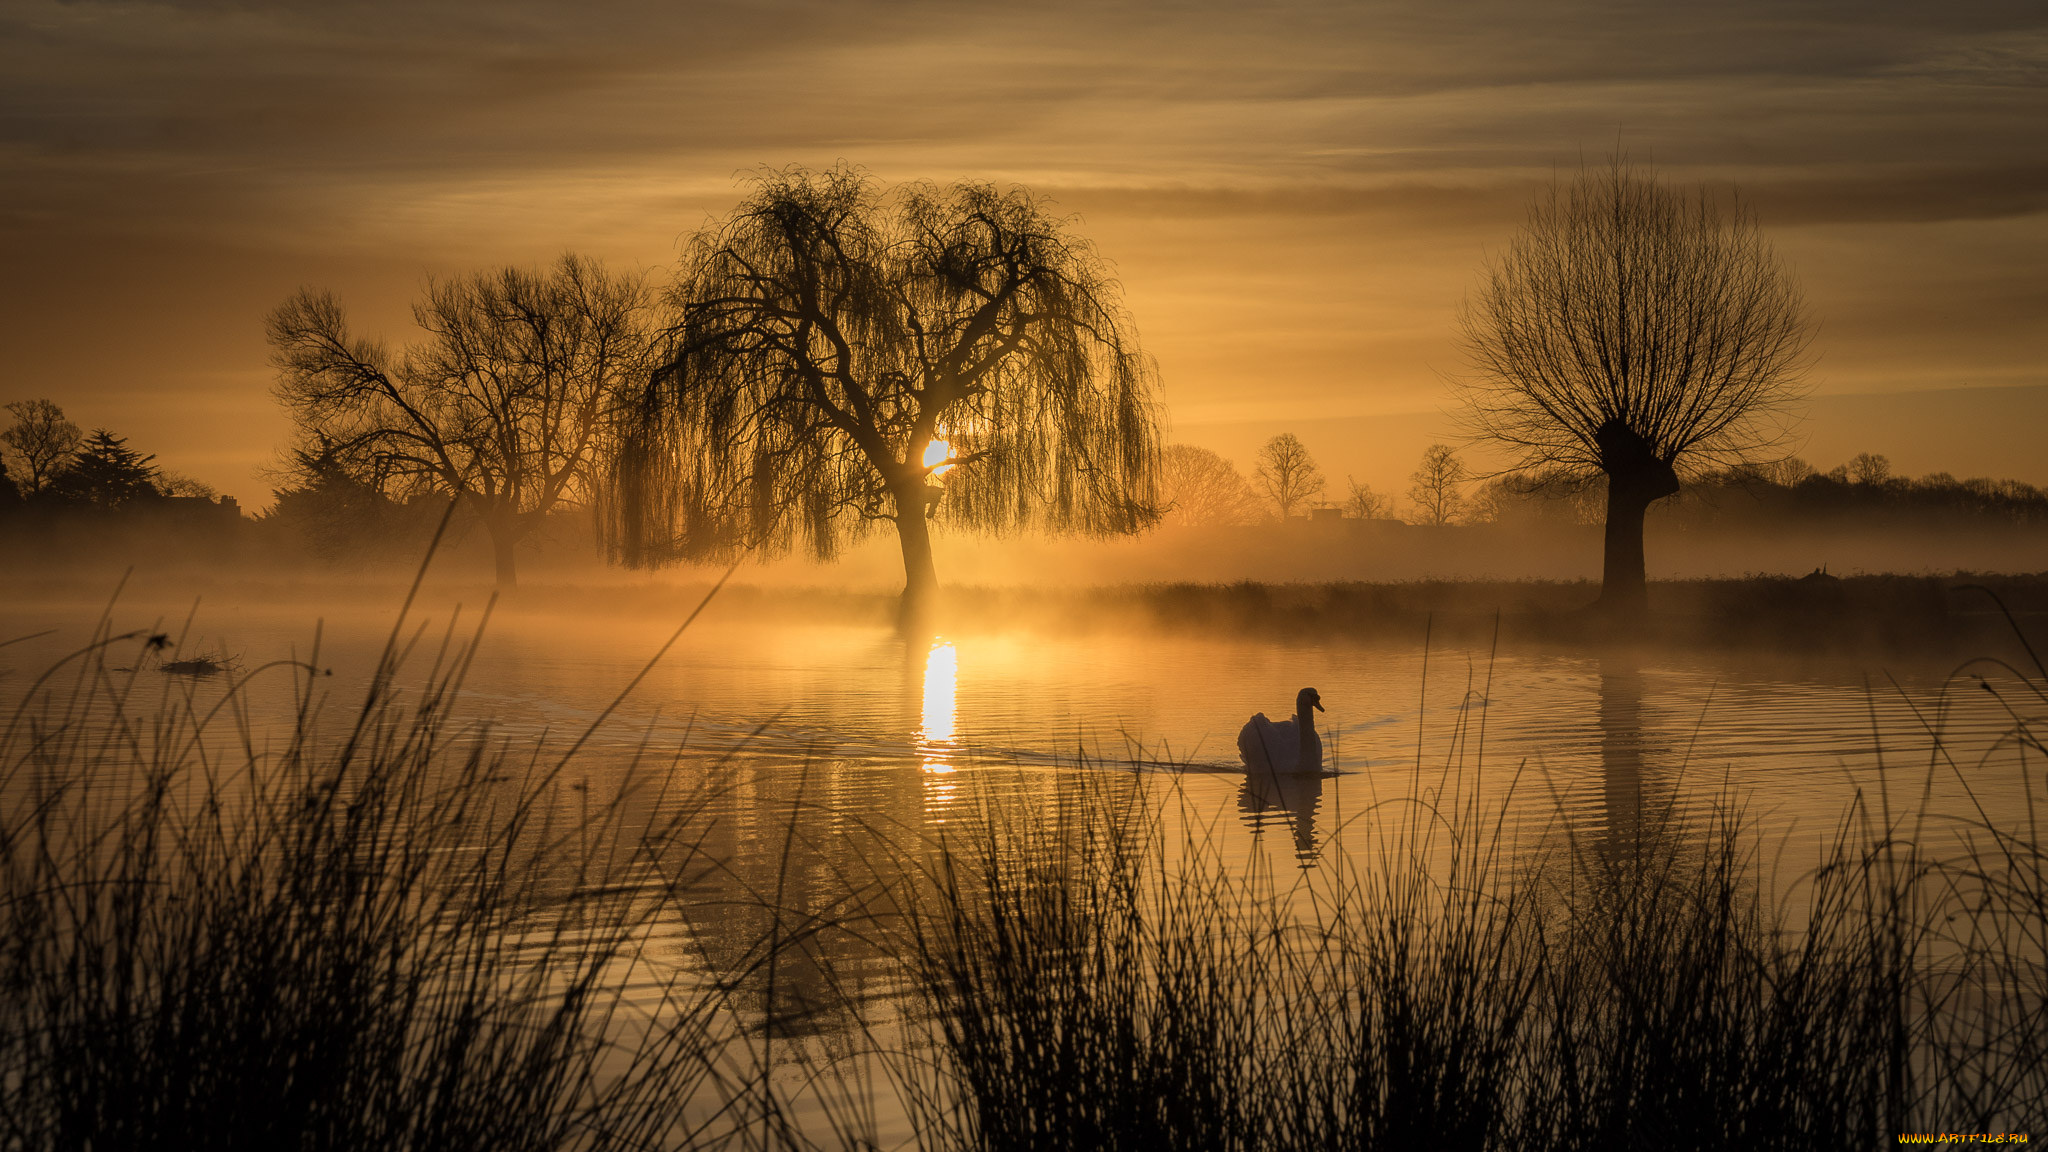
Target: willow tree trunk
[[913, 531]]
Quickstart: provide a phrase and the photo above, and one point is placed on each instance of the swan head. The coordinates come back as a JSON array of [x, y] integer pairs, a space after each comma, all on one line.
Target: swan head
[[1307, 698]]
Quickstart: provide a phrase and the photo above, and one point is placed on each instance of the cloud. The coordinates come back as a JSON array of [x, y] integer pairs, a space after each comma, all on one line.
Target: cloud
[[1295, 193]]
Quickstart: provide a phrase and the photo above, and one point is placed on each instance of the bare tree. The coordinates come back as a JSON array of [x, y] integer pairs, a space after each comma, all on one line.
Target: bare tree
[[1869, 468], [1435, 488], [1287, 475], [842, 356], [1499, 500], [43, 439], [178, 484], [1366, 504], [502, 407], [1789, 472], [1540, 496], [1634, 331], [1198, 488]]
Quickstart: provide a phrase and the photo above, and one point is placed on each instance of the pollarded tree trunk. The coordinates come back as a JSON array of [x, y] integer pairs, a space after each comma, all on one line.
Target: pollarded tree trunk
[[1636, 479]]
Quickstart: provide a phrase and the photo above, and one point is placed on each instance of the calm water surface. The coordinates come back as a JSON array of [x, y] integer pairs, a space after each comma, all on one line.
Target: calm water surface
[[928, 728]]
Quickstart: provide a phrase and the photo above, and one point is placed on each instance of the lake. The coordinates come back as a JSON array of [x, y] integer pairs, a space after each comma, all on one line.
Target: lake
[[929, 727]]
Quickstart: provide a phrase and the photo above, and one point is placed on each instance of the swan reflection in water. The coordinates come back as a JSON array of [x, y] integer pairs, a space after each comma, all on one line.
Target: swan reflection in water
[[1290, 798]]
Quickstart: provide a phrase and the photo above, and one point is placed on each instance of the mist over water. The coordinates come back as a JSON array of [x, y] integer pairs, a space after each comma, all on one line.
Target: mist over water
[[934, 726]]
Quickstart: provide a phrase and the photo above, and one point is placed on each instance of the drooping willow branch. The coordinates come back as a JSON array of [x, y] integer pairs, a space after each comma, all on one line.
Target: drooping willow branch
[[827, 333]]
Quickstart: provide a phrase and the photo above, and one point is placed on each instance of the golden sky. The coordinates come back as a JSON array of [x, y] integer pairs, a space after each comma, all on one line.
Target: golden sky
[[1296, 196]]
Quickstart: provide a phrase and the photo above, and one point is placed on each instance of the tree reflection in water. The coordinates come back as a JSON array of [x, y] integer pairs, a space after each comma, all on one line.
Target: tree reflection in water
[[1635, 813]]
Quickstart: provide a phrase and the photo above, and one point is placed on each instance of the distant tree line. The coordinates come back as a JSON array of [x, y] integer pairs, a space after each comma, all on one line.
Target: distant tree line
[[1201, 488], [1863, 489], [49, 464], [1785, 493]]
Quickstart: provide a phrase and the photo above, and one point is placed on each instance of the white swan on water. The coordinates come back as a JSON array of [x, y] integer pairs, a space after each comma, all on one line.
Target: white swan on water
[[1286, 746]]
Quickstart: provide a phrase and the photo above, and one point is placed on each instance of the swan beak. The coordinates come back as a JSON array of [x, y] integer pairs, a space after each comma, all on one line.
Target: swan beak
[[1318, 703]]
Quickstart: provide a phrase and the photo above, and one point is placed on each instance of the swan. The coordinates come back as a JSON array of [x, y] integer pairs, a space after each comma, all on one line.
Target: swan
[[1288, 746]]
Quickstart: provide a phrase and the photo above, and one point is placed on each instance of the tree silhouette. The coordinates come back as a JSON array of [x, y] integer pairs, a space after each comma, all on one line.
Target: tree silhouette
[[1434, 486], [1200, 489], [1364, 503], [842, 357], [1286, 474], [105, 473], [504, 406], [335, 516], [42, 439], [1869, 468], [1637, 332]]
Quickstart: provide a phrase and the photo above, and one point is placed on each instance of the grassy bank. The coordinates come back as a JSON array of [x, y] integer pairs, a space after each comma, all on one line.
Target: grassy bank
[[386, 928], [1856, 615], [1951, 616]]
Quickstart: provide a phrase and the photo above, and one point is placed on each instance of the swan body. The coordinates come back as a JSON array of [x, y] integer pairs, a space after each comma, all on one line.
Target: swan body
[[1284, 746]]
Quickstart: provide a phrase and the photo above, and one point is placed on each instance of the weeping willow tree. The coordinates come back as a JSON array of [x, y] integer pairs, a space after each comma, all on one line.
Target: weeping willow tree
[[1634, 333], [842, 355]]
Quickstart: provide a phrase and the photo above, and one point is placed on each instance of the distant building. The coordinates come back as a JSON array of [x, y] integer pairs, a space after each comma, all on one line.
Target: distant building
[[204, 510]]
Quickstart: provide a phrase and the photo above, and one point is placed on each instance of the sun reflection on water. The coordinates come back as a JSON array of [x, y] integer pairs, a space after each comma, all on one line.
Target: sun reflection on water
[[941, 684]]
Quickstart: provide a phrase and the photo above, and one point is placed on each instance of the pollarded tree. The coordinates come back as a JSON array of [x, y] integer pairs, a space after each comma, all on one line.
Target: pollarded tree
[[842, 356], [1200, 489], [1287, 475], [1634, 331], [503, 407]]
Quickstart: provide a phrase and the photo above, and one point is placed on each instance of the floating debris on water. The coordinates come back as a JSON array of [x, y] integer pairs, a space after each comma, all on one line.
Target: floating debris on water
[[198, 666]]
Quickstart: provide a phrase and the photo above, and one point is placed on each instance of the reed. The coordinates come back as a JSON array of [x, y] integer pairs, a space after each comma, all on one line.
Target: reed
[[387, 928], [1114, 984]]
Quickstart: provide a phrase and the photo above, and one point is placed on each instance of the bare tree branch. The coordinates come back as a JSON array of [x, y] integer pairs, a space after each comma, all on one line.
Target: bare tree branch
[[505, 405], [1636, 332], [1287, 475], [43, 438], [1200, 489], [1435, 488]]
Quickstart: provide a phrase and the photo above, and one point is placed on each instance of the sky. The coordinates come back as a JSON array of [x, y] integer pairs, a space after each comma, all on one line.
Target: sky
[[1295, 197]]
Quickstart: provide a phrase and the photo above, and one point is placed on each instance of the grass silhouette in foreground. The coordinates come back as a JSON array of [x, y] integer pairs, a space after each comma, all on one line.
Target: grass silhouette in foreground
[[393, 931]]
